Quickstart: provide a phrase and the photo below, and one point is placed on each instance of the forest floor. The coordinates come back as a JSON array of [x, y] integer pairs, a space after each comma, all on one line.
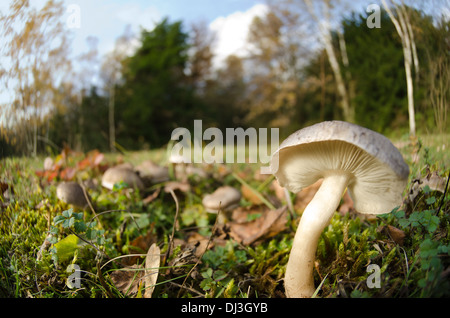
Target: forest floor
[[161, 242]]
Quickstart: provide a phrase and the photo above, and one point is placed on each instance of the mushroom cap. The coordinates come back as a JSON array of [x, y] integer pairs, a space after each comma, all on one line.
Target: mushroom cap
[[71, 193], [121, 173], [376, 169], [151, 172], [225, 198]]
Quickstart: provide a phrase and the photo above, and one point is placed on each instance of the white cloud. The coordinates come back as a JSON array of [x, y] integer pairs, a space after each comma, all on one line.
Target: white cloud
[[107, 20], [231, 32]]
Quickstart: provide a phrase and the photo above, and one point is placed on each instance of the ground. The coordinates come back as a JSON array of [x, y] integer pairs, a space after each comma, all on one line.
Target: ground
[[400, 254]]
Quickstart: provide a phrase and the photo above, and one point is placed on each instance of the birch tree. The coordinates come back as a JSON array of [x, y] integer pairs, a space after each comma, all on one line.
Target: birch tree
[[402, 24], [320, 12], [111, 73], [35, 57]]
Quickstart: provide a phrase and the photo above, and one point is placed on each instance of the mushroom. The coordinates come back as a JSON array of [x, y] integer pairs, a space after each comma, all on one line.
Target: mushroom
[[180, 166], [71, 193], [225, 199], [121, 173], [344, 155], [151, 173]]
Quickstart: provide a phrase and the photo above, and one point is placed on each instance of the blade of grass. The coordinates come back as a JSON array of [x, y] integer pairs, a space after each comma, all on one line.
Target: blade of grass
[[257, 193]]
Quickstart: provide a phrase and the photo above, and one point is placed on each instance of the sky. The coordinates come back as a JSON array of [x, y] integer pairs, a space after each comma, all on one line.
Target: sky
[[107, 19]]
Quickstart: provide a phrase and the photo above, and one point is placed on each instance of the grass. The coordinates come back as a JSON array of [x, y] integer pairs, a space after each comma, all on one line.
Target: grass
[[110, 241]]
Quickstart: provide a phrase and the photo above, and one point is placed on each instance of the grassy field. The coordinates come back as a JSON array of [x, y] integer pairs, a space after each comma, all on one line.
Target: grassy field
[[40, 236]]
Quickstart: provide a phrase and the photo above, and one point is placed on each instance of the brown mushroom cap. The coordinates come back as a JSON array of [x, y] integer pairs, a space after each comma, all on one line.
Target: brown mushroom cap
[[151, 172], [121, 173], [71, 193], [376, 169], [224, 198]]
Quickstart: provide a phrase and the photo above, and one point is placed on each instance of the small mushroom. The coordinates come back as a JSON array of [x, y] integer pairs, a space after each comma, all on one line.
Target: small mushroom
[[344, 155], [121, 173], [71, 193], [225, 199], [178, 165], [48, 163], [151, 173]]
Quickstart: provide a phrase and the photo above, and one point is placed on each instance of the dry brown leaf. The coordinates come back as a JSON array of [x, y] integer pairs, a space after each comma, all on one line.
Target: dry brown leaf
[[432, 180], [270, 223], [248, 194], [397, 235], [200, 243], [128, 279], [279, 190], [305, 196], [347, 204], [152, 263], [139, 245]]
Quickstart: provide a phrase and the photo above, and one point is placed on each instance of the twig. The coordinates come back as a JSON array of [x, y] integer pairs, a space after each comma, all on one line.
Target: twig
[[102, 281], [443, 196], [174, 226], [188, 288], [87, 198]]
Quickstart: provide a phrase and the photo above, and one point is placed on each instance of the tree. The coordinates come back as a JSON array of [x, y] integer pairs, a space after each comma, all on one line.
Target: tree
[[200, 55], [321, 14], [224, 95], [377, 72], [274, 67], [433, 49], [111, 73], [403, 26], [36, 57], [156, 96]]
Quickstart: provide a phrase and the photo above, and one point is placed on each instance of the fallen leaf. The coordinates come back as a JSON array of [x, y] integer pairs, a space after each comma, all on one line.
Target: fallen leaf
[[199, 242], [66, 247], [128, 279], [305, 196], [152, 263], [248, 194], [279, 190], [432, 180], [139, 245], [4, 187], [179, 265], [347, 204], [270, 223], [396, 234]]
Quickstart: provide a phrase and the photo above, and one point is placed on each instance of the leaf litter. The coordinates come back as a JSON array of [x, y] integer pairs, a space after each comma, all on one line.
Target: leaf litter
[[253, 223]]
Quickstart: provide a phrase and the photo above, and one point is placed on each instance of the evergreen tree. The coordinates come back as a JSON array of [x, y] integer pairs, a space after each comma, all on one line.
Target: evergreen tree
[[156, 96], [376, 67]]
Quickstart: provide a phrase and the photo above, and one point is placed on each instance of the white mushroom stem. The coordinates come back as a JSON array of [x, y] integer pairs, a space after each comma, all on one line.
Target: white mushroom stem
[[299, 279]]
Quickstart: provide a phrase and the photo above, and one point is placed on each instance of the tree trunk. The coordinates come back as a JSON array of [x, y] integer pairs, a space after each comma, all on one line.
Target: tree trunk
[[112, 130], [325, 32], [404, 30]]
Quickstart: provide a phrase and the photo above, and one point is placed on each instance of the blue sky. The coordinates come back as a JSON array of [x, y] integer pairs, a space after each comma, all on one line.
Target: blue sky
[[107, 19]]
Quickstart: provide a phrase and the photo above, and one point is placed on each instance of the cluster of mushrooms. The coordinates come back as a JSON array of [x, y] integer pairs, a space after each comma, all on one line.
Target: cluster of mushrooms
[[344, 155]]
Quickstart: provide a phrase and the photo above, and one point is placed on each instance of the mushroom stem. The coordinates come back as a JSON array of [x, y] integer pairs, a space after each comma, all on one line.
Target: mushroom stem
[[299, 278]]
